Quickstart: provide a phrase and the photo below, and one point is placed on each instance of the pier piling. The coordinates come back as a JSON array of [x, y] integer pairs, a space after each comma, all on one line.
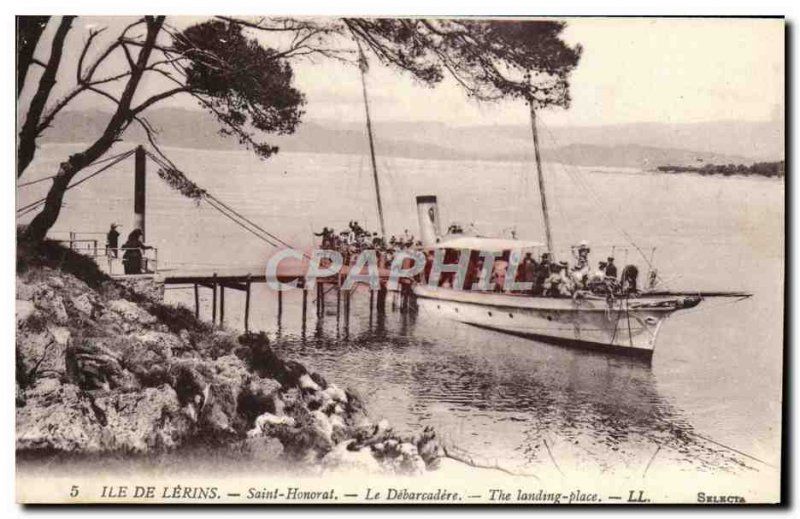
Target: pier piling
[[247, 307], [221, 305], [305, 303], [196, 301], [214, 300]]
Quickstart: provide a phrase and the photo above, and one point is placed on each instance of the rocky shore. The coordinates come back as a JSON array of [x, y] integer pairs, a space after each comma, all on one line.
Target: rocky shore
[[105, 367]]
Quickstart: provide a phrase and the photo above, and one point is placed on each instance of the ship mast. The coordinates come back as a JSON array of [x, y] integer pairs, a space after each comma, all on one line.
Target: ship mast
[[545, 213], [362, 65]]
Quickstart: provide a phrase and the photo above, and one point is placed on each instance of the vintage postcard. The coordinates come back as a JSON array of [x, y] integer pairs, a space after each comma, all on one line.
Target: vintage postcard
[[342, 260]]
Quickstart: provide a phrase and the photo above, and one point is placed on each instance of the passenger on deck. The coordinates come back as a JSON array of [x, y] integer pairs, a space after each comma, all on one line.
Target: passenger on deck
[[327, 238], [580, 272], [611, 269], [597, 282], [499, 275], [542, 273], [600, 274], [133, 257], [567, 285], [527, 271], [553, 282], [473, 273]]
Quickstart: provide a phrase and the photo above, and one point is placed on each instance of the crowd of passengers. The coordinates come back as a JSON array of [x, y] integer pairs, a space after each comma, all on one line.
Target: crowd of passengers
[[547, 276], [355, 239]]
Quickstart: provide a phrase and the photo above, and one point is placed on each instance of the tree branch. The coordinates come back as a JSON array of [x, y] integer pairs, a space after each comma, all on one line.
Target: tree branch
[[159, 97]]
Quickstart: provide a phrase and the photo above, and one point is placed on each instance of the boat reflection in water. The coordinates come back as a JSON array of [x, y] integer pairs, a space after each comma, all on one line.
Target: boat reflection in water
[[522, 403]]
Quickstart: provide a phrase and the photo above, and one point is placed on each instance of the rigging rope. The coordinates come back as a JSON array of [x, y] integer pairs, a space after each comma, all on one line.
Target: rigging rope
[[583, 184], [164, 162], [116, 159], [227, 211]]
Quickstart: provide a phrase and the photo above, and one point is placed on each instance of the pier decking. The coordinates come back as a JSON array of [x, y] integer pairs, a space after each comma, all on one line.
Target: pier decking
[[242, 279]]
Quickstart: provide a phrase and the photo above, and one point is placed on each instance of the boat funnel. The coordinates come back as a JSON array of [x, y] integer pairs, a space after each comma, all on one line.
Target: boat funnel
[[428, 214]]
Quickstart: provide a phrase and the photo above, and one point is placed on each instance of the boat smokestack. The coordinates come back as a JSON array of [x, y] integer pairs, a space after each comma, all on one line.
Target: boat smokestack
[[428, 214]]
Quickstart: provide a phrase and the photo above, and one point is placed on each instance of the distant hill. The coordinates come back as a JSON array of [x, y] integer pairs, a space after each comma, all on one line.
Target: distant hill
[[647, 145]]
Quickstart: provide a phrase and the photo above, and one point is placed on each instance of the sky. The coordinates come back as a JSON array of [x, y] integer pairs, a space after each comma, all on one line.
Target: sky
[[632, 70]]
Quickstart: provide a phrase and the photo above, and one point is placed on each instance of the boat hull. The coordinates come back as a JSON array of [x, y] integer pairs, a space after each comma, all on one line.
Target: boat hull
[[628, 326]]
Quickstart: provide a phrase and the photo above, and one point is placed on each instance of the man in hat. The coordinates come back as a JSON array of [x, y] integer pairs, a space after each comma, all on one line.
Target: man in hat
[[112, 241], [580, 272], [542, 273], [611, 269]]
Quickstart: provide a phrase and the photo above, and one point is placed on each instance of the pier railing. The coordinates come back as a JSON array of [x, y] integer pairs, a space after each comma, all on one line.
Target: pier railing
[[95, 248]]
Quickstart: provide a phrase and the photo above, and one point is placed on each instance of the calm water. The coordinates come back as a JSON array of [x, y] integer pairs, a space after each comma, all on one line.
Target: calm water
[[716, 372]]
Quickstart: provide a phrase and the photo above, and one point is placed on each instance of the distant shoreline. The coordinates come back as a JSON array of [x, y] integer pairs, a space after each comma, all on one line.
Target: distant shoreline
[[739, 170], [759, 169]]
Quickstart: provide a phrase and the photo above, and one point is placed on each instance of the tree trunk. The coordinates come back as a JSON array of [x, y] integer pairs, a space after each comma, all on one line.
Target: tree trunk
[[122, 117], [27, 136], [37, 230], [29, 30]]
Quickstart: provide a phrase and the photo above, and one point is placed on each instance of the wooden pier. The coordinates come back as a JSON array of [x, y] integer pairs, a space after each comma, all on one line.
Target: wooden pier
[[242, 280]]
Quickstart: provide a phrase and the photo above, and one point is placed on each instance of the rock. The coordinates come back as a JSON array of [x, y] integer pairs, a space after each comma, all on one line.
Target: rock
[[146, 288], [263, 450], [336, 394], [341, 458], [142, 421], [148, 357], [51, 305], [259, 396], [383, 427], [25, 291], [55, 282], [306, 382], [24, 309], [131, 312], [61, 335], [185, 337], [269, 419], [57, 417], [93, 365], [337, 423], [221, 344], [83, 304], [209, 390], [320, 380], [410, 463], [429, 448], [41, 355], [322, 425]]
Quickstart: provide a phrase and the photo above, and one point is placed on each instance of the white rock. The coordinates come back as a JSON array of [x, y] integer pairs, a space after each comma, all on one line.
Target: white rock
[[269, 419], [383, 426], [83, 304], [335, 393], [407, 449], [336, 421], [25, 291], [131, 312], [306, 382], [61, 335], [342, 459], [322, 423], [24, 309]]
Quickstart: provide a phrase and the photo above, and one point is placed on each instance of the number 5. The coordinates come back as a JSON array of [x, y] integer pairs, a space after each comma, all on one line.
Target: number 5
[[73, 491]]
